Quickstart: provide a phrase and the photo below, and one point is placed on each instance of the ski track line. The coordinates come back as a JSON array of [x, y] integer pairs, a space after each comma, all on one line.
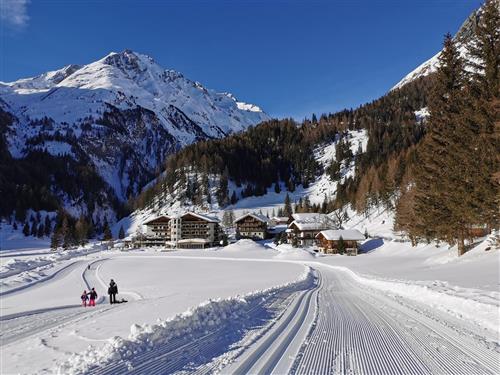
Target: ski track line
[[60, 272], [27, 323], [269, 351], [361, 331]]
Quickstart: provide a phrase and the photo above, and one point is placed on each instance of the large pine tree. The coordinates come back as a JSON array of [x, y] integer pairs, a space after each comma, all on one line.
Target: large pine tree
[[442, 204], [483, 113]]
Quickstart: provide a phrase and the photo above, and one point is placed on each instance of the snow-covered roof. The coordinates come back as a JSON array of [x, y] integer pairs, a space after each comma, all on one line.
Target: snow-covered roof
[[311, 221], [313, 225], [210, 219], [258, 217], [159, 219], [346, 234]]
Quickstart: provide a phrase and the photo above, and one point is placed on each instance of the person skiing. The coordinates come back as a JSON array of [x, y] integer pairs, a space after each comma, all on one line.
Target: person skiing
[[112, 291], [84, 298], [92, 297]]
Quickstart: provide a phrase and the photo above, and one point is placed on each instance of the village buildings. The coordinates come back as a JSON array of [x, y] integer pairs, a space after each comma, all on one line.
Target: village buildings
[[304, 227], [252, 225], [341, 241]]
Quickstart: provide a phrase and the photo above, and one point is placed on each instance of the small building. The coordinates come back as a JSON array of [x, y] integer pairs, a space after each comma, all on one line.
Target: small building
[[197, 231], [303, 229], [328, 240], [252, 226]]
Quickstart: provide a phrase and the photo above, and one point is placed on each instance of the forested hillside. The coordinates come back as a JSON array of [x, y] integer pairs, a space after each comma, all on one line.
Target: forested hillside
[[279, 153]]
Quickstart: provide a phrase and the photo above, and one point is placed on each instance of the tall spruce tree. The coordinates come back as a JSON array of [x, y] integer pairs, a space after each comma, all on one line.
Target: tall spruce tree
[[121, 233], [443, 175], [484, 111], [287, 210]]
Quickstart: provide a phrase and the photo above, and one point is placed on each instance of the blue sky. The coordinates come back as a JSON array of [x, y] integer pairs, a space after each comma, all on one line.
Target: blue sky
[[291, 58]]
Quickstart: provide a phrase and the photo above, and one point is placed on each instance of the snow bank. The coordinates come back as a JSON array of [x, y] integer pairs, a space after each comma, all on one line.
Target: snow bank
[[211, 314], [293, 253], [26, 269]]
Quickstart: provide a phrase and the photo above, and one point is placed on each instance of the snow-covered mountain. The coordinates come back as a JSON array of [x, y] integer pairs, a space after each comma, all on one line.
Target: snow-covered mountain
[[462, 38], [123, 114]]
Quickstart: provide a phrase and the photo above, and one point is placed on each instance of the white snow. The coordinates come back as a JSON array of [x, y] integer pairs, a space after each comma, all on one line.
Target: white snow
[[192, 294]]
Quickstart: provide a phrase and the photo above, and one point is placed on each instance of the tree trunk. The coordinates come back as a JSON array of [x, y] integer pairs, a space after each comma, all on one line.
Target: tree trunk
[[461, 244]]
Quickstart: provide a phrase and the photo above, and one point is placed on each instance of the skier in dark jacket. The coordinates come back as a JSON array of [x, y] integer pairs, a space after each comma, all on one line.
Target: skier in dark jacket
[[92, 297], [112, 291]]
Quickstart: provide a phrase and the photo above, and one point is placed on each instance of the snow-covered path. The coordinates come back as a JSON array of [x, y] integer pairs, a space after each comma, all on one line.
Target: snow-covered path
[[358, 330], [235, 311]]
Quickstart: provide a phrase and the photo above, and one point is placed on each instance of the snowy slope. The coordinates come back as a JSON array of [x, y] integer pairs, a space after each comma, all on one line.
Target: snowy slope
[[322, 187], [462, 38], [123, 113]]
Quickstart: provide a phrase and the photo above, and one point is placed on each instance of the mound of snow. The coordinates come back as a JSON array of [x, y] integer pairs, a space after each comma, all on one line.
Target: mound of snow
[[287, 251]]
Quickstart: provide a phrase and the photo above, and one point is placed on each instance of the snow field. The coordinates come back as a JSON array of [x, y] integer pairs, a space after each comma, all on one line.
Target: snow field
[[194, 324], [43, 324]]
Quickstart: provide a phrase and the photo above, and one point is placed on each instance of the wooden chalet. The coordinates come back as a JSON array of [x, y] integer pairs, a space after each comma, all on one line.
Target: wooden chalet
[[303, 229], [252, 226], [328, 241]]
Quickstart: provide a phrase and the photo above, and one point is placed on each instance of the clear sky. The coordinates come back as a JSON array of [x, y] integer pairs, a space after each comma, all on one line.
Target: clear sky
[[291, 58]]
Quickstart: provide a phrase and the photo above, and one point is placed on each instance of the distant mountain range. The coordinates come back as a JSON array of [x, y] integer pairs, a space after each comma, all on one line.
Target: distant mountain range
[[123, 115]]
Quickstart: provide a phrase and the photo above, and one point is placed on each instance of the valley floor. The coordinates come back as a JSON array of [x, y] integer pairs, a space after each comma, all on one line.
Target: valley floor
[[252, 308]]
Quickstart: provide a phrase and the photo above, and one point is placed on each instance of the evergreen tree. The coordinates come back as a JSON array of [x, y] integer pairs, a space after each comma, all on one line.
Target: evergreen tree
[[41, 231], [107, 235], [26, 229], [121, 233], [234, 198], [34, 228], [81, 231], [222, 191], [341, 245], [484, 111], [443, 174], [277, 188], [55, 240], [47, 226], [287, 211], [65, 233]]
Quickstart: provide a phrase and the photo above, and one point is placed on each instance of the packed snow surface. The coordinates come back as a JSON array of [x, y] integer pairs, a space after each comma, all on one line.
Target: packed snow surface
[[256, 308]]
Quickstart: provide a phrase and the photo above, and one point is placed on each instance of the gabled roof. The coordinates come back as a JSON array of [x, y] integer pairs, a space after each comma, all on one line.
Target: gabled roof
[[158, 220], [258, 217], [210, 219], [316, 225], [346, 234]]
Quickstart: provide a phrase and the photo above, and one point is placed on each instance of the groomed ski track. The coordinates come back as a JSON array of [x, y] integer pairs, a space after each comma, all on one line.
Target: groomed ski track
[[334, 326], [357, 330]]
